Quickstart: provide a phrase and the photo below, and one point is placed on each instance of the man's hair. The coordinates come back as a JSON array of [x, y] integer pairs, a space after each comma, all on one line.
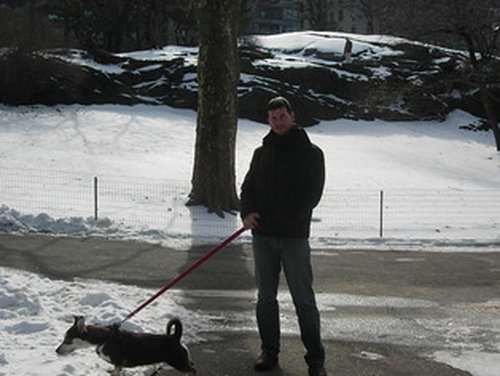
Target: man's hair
[[279, 102]]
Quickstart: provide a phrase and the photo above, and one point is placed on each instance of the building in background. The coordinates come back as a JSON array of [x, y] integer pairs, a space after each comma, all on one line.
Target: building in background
[[276, 16], [350, 16], [353, 16]]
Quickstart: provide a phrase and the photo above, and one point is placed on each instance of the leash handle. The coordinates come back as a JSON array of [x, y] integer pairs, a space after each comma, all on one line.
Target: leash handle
[[187, 271]]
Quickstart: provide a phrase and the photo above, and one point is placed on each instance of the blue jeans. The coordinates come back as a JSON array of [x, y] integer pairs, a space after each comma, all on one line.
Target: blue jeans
[[294, 256]]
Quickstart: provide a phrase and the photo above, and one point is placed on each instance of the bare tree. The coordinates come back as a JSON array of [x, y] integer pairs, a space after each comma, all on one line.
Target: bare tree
[[103, 23], [25, 25], [247, 13], [370, 12], [158, 23], [469, 24], [315, 13], [213, 181], [117, 25], [478, 24]]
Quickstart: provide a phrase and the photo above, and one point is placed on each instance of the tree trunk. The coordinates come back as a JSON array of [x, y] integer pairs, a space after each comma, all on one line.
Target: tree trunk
[[489, 106], [213, 182]]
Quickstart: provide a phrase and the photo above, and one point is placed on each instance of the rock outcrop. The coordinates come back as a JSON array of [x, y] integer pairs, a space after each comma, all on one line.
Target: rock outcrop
[[386, 78]]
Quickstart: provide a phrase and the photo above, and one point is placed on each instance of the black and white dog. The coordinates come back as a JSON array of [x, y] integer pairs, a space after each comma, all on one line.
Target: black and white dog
[[129, 349]]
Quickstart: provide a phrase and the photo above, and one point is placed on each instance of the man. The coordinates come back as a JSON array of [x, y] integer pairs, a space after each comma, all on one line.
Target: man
[[283, 185]]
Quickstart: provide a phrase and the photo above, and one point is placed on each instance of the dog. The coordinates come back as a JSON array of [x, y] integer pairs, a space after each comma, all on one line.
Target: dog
[[129, 349]]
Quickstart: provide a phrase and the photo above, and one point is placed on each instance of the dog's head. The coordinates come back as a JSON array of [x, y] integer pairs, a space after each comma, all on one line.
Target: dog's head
[[74, 337]]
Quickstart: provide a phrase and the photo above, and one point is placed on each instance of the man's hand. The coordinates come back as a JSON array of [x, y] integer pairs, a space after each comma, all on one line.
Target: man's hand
[[251, 221]]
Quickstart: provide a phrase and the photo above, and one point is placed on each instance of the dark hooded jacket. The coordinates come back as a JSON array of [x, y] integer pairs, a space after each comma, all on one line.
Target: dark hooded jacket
[[284, 183]]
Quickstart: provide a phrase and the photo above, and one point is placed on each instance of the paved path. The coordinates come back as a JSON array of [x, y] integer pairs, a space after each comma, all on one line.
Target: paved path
[[383, 313]]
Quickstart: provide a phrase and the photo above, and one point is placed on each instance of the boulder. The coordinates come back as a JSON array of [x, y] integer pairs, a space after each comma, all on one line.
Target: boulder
[[387, 78]]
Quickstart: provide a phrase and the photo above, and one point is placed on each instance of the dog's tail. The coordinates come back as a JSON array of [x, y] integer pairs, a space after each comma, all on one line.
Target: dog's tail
[[176, 323]]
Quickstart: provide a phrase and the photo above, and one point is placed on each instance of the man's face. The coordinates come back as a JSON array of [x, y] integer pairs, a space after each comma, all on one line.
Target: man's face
[[280, 120]]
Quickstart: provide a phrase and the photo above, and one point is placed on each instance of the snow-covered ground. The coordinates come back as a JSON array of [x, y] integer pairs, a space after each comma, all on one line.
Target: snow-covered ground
[[35, 312], [47, 154], [440, 188], [439, 185]]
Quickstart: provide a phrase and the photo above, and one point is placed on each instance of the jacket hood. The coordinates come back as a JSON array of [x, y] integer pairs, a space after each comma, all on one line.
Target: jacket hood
[[296, 137]]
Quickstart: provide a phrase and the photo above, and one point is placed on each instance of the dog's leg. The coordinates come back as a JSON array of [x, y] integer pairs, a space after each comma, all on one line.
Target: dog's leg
[[156, 371], [115, 371]]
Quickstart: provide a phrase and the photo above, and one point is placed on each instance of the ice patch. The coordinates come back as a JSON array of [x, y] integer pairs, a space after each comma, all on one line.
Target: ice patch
[[366, 355], [477, 363]]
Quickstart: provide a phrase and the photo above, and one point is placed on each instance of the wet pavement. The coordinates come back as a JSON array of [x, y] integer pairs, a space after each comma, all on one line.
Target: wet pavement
[[383, 312]]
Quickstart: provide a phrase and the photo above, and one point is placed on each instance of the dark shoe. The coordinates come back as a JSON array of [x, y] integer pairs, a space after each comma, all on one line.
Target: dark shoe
[[265, 362], [317, 371]]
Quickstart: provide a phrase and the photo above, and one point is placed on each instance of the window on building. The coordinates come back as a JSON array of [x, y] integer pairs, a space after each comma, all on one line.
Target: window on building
[[290, 14]]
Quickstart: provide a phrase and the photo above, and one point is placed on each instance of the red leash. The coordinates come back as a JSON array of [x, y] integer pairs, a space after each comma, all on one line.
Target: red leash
[[177, 279]]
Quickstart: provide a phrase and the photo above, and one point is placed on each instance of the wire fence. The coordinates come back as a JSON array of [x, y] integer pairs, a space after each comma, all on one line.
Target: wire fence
[[142, 205]]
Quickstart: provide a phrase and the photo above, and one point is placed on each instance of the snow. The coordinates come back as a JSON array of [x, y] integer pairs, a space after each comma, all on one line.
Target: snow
[[329, 42], [166, 53], [153, 147], [440, 184], [76, 57], [476, 363], [35, 312], [143, 157]]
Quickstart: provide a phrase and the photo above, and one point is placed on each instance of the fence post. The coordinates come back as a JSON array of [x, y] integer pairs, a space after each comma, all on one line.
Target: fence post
[[381, 225], [95, 198]]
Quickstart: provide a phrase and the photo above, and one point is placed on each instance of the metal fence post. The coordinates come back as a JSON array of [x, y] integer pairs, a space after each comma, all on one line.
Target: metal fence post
[[95, 198], [381, 225]]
